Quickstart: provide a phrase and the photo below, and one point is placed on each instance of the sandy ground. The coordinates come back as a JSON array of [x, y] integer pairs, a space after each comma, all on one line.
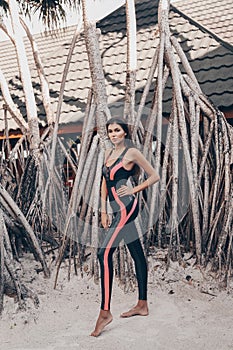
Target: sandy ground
[[182, 315]]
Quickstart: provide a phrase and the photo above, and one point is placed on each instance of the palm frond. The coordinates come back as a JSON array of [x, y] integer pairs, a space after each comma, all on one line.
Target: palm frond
[[51, 12], [3, 6]]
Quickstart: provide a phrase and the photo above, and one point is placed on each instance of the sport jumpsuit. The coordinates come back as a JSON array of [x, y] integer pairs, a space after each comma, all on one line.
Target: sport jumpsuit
[[125, 210]]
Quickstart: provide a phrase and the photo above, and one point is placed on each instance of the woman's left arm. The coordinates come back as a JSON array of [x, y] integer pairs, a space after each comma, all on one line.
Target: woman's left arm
[[136, 157]]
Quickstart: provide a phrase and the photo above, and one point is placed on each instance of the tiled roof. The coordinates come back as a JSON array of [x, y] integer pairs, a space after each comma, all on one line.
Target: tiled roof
[[211, 61], [215, 15]]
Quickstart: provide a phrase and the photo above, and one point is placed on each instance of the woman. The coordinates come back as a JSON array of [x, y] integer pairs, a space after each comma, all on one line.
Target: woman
[[121, 162]]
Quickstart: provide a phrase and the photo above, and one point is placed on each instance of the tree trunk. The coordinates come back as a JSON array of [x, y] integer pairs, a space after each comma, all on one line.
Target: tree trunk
[[11, 107], [96, 70], [25, 77], [131, 66], [20, 217], [2, 282], [41, 74]]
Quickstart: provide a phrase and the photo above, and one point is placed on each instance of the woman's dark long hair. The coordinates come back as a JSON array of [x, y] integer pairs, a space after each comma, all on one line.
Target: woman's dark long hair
[[128, 141]]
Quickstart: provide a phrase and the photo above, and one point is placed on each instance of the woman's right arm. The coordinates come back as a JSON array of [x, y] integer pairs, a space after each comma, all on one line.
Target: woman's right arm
[[104, 194]]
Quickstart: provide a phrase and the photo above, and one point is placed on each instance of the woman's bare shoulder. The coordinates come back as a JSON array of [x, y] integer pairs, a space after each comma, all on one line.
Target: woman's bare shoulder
[[133, 151], [133, 154]]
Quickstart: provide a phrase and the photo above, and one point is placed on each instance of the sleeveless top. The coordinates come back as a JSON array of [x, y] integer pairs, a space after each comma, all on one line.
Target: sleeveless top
[[116, 172], [116, 176]]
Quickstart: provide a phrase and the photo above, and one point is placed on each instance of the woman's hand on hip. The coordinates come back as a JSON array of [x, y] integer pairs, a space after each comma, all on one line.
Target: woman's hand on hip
[[124, 191]]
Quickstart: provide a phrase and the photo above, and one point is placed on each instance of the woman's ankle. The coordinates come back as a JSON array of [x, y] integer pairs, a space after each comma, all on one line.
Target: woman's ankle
[[105, 313], [142, 303]]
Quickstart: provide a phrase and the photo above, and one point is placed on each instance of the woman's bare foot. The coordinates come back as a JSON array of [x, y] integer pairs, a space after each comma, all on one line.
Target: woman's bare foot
[[140, 309], [105, 317]]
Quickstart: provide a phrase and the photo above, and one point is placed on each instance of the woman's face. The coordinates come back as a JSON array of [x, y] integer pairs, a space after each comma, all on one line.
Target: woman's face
[[116, 134]]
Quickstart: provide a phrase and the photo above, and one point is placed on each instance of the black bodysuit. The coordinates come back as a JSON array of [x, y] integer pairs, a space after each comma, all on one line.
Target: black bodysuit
[[125, 210]]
